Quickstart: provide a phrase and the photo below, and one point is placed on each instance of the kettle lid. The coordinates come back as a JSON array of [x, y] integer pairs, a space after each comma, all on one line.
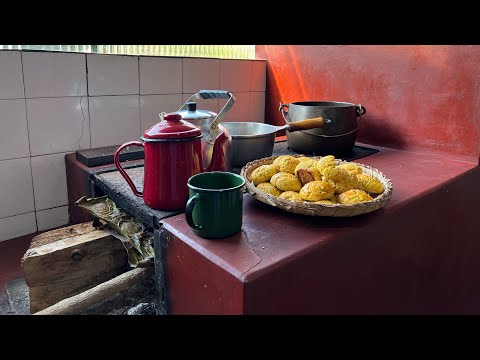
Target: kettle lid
[[172, 127], [193, 114]]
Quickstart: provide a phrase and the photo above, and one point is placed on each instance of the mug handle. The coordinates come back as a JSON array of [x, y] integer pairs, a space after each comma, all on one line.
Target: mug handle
[[122, 170], [189, 210]]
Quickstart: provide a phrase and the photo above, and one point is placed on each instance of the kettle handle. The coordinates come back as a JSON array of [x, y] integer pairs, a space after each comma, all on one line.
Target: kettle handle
[[122, 170]]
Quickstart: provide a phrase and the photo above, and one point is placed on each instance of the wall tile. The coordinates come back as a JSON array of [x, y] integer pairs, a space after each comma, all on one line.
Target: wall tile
[[160, 75], [11, 75], [52, 218], [235, 75], [240, 111], [18, 225], [58, 124], [259, 75], [14, 131], [49, 181], [112, 75], [200, 74], [114, 119], [257, 106], [54, 74], [16, 192], [152, 105]]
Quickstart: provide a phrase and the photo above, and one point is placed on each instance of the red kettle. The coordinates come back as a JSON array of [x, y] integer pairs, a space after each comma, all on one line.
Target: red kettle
[[173, 153]]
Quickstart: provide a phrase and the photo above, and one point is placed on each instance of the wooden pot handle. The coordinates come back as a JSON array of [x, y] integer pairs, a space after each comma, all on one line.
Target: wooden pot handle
[[306, 124]]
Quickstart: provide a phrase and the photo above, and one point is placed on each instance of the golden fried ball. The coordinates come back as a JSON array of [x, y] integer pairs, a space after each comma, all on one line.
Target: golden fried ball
[[305, 158], [316, 190], [286, 181], [353, 196], [291, 195], [286, 163], [308, 175], [369, 184], [351, 167], [325, 162], [268, 188], [344, 180], [263, 173]]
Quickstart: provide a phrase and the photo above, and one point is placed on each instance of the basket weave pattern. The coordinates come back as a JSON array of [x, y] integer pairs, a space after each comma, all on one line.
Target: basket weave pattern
[[312, 209]]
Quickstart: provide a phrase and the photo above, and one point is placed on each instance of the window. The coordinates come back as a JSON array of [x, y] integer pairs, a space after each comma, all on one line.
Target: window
[[210, 51]]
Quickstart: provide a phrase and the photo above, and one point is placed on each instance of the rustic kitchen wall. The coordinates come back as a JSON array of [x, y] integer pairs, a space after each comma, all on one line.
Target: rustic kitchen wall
[[422, 98], [54, 103]]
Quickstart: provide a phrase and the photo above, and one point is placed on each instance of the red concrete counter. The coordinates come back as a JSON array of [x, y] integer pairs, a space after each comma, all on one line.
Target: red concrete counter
[[419, 254]]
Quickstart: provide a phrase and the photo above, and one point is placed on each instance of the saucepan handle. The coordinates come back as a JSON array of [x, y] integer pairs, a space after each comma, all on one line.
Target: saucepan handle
[[360, 110], [283, 112], [189, 211], [122, 170]]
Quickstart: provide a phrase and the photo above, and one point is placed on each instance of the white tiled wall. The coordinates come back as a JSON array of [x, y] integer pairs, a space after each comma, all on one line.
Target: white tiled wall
[[54, 103]]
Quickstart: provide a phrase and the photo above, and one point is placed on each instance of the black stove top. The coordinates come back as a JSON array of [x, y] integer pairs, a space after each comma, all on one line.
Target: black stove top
[[281, 148]]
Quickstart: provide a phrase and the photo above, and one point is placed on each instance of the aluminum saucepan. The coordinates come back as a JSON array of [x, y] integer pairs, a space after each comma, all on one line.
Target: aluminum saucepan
[[251, 140]]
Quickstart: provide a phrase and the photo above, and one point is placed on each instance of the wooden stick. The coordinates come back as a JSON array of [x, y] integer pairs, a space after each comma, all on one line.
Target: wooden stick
[[84, 300]]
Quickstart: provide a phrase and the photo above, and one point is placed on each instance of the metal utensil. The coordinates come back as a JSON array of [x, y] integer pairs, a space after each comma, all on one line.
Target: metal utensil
[[251, 140]]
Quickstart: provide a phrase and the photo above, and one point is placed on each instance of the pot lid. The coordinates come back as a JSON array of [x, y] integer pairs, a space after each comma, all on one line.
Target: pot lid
[[172, 127], [193, 114]]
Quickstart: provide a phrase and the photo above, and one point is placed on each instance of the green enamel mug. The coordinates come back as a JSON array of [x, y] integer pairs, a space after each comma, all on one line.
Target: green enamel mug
[[215, 205]]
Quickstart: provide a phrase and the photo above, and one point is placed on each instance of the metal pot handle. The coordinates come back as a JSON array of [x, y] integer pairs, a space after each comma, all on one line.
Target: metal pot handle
[[284, 113], [219, 94], [360, 110]]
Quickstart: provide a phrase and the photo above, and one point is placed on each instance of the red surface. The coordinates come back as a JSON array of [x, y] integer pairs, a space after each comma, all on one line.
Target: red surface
[[172, 127], [418, 98], [168, 166], [417, 255]]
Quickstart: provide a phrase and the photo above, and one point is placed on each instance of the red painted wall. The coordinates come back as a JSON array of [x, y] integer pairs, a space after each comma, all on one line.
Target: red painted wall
[[418, 98]]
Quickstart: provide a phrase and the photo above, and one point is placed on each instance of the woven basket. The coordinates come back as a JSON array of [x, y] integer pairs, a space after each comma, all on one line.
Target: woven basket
[[312, 209]]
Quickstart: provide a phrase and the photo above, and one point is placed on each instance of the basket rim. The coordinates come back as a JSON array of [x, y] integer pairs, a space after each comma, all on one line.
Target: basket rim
[[290, 204]]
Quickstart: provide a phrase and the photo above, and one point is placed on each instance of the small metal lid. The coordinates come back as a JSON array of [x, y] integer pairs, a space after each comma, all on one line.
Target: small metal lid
[[172, 127], [192, 114]]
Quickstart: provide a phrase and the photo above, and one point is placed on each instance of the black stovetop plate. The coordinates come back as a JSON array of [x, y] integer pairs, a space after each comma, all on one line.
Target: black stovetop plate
[[281, 148]]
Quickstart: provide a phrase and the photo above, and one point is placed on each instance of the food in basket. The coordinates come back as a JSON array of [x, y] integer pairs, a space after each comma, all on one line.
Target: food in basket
[[263, 173], [325, 163], [353, 196], [291, 195], [343, 179], [269, 188], [351, 167], [306, 171], [316, 190], [286, 182], [369, 184], [345, 189], [286, 163]]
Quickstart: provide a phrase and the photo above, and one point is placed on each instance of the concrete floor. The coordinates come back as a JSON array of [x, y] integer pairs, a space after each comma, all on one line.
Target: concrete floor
[[13, 289]]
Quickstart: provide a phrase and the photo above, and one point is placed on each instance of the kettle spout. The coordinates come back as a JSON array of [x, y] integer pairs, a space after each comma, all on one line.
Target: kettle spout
[[220, 160]]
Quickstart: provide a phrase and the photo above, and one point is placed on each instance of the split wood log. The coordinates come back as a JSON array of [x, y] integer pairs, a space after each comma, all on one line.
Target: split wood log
[[77, 303], [64, 262]]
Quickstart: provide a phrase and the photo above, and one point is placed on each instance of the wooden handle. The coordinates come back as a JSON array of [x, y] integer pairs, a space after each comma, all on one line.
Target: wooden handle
[[306, 124]]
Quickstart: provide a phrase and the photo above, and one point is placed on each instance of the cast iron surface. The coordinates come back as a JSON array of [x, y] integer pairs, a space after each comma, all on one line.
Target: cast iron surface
[[104, 155]]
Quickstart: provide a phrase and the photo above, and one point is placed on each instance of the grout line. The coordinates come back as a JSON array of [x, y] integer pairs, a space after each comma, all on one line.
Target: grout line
[[29, 147], [34, 211], [139, 110], [88, 103]]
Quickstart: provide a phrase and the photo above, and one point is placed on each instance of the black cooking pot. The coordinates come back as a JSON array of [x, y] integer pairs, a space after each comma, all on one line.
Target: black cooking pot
[[336, 137]]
